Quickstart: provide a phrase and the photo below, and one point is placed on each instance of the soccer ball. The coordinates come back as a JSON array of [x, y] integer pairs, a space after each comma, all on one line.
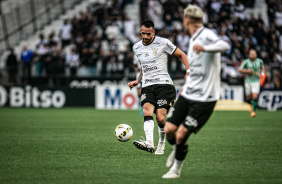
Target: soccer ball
[[123, 132]]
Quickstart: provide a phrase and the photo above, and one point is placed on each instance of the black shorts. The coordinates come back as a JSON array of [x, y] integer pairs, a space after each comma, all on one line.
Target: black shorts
[[159, 95], [192, 114]]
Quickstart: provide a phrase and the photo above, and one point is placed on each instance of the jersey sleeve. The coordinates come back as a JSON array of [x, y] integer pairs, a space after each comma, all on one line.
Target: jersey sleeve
[[212, 37], [169, 47], [243, 65], [261, 63]]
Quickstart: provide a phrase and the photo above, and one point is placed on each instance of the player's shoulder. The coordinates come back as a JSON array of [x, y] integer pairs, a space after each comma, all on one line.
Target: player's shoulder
[[160, 40], [246, 60], [137, 45], [209, 34], [259, 60]]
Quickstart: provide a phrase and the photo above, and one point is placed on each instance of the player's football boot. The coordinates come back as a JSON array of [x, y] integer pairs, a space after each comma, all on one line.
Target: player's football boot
[[144, 145], [170, 159], [253, 114], [160, 148], [171, 174]]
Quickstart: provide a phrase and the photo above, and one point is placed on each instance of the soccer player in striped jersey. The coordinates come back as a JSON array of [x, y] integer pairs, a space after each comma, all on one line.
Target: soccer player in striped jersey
[[252, 67]]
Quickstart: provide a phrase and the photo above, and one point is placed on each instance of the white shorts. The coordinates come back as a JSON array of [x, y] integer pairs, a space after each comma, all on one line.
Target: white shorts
[[252, 88]]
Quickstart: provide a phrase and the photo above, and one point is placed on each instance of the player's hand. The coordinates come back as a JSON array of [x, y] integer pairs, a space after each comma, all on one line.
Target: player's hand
[[250, 71], [186, 75], [133, 84], [198, 48]]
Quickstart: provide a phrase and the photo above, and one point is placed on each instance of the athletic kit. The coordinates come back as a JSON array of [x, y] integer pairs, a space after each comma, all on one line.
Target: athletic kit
[[157, 86], [252, 82], [202, 87]]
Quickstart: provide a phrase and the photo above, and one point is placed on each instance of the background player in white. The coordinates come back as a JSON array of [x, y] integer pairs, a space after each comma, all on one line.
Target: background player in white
[[158, 91], [200, 91]]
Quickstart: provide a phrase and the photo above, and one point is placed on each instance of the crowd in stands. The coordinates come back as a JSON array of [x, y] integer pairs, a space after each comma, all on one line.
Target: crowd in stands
[[100, 38]]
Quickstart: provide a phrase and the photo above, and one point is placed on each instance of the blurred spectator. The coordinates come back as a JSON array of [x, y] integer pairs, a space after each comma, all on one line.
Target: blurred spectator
[[269, 84], [65, 33], [73, 61], [129, 30], [278, 16], [155, 13], [143, 6], [271, 6], [112, 31], [26, 58], [12, 67], [182, 41], [40, 40], [239, 10]]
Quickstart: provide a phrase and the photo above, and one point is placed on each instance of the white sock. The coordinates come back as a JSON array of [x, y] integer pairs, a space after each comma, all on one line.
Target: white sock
[[177, 165], [149, 131], [161, 134]]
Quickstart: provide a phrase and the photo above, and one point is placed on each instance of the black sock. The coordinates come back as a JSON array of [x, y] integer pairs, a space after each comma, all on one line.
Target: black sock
[[181, 152], [171, 141], [161, 125]]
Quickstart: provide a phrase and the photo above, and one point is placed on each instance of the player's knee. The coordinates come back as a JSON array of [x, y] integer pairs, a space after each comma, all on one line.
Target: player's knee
[[181, 135], [160, 119], [147, 112], [170, 129]]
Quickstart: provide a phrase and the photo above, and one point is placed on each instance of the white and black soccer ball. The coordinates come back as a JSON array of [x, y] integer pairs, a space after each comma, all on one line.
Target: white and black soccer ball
[[123, 132]]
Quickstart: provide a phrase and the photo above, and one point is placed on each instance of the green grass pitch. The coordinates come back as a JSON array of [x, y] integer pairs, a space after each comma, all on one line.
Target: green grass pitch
[[77, 145]]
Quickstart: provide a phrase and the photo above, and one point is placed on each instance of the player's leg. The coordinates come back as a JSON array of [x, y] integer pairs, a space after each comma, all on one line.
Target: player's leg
[[147, 102], [254, 95], [181, 150], [148, 110], [139, 88], [175, 117], [165, 96], [197, 115], [160, 116], [248, 94]]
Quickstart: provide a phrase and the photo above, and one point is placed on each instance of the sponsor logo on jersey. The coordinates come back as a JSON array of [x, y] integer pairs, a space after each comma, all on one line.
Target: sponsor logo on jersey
[[152, 80], [143, 97], [155, 51], [138, 55], [146, 54], [148, 62], [162, 102], [194, 91], [190, 121], [146, 68]]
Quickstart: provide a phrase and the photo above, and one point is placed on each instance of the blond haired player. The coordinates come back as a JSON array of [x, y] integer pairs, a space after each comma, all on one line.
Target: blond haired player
[[200, 91]]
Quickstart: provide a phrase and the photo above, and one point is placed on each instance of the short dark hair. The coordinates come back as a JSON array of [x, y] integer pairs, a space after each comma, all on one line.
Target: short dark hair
[[148, 23]]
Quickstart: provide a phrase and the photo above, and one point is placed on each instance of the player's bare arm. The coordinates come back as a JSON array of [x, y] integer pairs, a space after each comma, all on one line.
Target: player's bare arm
[[184, 60], [135, 83], [246, 71]]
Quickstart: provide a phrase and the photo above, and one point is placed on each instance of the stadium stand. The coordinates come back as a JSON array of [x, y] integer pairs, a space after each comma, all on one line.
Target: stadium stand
[[97, 39]]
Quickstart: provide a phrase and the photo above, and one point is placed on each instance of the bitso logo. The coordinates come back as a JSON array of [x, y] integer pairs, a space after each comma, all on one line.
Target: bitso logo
[[162, 102], [143, 97]]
